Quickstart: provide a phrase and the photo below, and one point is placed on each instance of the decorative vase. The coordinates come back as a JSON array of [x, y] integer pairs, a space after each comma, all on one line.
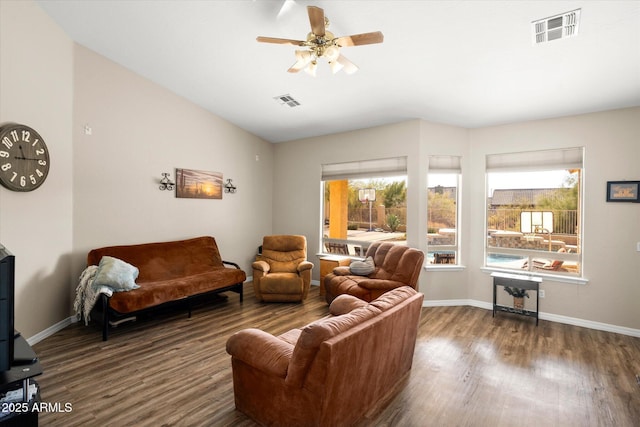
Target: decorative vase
[[518, 303]]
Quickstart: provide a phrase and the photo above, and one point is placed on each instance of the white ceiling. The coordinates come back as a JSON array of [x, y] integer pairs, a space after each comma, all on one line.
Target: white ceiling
[[464, 63]]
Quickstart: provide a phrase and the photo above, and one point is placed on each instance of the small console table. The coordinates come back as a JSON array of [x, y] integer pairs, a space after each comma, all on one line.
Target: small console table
[[327, 264], [516, 281]]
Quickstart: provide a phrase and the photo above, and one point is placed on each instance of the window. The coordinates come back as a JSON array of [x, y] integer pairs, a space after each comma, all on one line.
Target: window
[[363, 202], [534, 211], [443, 182]]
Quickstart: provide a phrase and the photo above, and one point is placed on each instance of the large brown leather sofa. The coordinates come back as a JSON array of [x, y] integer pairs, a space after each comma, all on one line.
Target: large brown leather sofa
[[395, 266], [332, 371], [168, 272]]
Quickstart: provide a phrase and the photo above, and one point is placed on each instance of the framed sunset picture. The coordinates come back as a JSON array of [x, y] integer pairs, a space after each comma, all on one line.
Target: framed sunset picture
[[623, 191], [194, 184]]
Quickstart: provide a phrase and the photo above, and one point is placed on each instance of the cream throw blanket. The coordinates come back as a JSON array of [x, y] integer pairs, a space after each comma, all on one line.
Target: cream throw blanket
[[87, 294]]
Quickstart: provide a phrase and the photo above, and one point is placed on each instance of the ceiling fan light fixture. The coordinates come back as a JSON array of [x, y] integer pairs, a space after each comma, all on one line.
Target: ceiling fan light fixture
[[322, 43], [349, 67], [331, 53], [335, 66], [311, 68]]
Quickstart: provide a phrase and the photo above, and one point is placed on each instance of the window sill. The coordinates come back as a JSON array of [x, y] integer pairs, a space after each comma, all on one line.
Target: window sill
[[444, 267], [574, 280]]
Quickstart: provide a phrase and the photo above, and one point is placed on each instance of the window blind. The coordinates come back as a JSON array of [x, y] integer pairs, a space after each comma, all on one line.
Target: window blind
[[393, 166], [444, 164], [566, 158]]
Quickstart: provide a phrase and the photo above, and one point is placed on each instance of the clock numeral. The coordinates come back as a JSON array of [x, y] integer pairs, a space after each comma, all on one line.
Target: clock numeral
[[32, 179], [14, 134], [35, 142], [5, 167], [39, 152], [7, 142], [13, 177], [26, 135], [42, 162], [40, 174], [4, 154], [23, 181]]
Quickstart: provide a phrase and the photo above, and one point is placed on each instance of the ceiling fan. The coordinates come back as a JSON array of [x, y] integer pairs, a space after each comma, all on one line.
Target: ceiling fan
[[321, 43]]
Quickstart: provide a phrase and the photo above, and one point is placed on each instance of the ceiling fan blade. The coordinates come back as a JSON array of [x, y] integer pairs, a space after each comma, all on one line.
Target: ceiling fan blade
[[360, 39], [280, 41], [347, 66], [295, 67], [303, 58], [316, 18], [286, 7]]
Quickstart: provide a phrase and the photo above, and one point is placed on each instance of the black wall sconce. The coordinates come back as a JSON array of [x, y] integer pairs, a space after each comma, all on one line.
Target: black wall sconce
[[165, 182], [229, 187]]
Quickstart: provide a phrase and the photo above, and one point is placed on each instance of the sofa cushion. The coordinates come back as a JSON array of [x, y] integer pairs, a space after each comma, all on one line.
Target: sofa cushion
[[284, 252], [281, 283], [154, 293], [165, 260], [316, 333], [362, 268], [393, 298], [344, 304], [116, 274]]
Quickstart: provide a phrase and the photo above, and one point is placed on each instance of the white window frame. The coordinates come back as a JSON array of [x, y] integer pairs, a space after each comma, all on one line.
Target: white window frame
[[360, 169], [445, 164], [540, 160]]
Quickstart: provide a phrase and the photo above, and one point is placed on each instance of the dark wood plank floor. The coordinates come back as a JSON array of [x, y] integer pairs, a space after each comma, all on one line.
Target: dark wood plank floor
[[469, 370]]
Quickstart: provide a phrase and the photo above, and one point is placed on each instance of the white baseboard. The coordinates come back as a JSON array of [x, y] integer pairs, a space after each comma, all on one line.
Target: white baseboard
[[51, 330], [427, 303], [542, 315]]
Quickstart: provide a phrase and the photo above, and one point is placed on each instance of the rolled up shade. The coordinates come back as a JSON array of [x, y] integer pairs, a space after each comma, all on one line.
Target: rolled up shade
[[444, 164], [393, 166], [565, 158]]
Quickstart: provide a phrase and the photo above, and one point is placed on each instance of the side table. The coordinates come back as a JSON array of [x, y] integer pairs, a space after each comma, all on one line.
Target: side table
[[516, 281], [327, 264]]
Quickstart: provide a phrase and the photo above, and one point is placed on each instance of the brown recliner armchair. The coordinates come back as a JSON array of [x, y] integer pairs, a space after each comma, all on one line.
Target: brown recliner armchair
[[282, 273], [394, 266]]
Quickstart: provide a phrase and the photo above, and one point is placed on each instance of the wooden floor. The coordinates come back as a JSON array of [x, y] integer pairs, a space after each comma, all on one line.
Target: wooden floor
[[469, 370]]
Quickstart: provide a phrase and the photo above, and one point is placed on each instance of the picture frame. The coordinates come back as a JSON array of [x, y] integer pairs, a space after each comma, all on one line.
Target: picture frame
[[623, 191], [195, 184]]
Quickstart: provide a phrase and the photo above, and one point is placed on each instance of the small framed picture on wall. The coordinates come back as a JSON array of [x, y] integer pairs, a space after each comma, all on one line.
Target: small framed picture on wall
[[623, 191]]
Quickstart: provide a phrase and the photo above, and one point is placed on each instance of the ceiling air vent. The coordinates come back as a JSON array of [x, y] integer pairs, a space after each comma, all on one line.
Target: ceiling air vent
[[287, 100], [556, 27]]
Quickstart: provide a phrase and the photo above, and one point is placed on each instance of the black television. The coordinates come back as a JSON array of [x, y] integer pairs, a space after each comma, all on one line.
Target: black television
[[7, 290]]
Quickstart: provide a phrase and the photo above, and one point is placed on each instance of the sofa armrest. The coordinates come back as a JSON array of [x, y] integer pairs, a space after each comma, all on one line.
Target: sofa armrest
[[304, 266], [261, 350], [261, 266], [343, 270]]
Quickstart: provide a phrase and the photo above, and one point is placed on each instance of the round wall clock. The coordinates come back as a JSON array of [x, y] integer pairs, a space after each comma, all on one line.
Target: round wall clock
[[24, 158]]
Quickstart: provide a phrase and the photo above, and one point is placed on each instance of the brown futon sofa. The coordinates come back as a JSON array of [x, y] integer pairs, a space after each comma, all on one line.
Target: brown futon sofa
[[332, 371], [168, 272], [394, 266]]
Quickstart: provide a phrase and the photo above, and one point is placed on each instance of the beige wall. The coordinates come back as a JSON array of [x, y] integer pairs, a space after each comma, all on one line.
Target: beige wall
[[611, 230], [103, 189], [140, 130], [611, 263], [36, 86], [297, 175]]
